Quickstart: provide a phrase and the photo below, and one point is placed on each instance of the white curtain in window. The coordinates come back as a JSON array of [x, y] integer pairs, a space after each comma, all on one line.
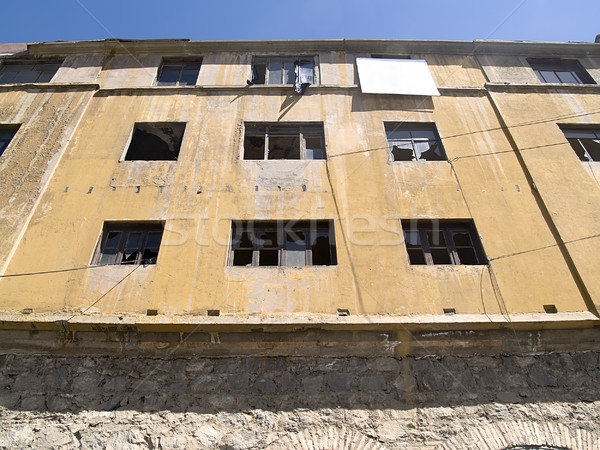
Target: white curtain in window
[[395, 76]]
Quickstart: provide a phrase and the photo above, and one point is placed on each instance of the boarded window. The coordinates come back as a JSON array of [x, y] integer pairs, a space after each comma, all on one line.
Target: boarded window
[[159, 141], [129, 243], [442, 242], [283, 141], [295, 243], [414, 142], [395, 76]]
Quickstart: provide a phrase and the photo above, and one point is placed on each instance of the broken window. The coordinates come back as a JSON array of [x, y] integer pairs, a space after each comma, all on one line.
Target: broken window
[[7, 132], [585, 142], [563, 71], [281, 141], [414, 142], [282, 243], [442, 242], [298, 71], [27, 72], [157, 141], [129, 243], [179, 73]]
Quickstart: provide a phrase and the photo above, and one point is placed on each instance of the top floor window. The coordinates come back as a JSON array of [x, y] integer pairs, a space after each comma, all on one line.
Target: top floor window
[[562, 71], [414, 142], [179, 73], [585, 142], [298, 71], [40, 72]]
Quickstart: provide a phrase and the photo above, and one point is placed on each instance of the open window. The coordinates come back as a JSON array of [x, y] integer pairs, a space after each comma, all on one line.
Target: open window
[[282, 243], [129, 243], [7, 132], [299, 71], [28, 72], [562, 71], [178, 73], [156, 141], [442, 242], [585, 142], [284, 141], [414, 142]]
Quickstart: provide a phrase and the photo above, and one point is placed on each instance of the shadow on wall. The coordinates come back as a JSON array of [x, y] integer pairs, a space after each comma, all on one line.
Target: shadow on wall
[[211, 385]]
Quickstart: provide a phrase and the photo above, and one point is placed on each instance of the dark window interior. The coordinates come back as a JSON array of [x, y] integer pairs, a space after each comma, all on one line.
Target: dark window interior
[[562, 71], [585, 142], [7, 132], [125, 243], [269, 142], [179, 73], [414, 142], [442, 242], [296, 243], [34, 72], [155, 141]]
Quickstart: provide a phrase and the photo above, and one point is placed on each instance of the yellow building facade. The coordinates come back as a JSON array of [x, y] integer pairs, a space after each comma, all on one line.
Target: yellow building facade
[[296, 198]]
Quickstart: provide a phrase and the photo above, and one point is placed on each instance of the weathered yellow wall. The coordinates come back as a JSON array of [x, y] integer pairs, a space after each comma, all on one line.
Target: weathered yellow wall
[[358, 186]]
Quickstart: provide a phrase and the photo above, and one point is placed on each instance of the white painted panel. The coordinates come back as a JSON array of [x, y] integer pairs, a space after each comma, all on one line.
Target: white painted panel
[[395, 76]]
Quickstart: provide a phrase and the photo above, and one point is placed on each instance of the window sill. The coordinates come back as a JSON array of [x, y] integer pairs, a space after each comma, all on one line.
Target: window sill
[[544, 87], [49, 86]]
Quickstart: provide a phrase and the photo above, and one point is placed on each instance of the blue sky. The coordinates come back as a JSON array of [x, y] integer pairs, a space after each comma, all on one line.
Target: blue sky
[[67, 20]]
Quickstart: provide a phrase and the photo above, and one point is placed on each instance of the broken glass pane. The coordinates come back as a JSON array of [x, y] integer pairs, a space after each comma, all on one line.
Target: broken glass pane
[[433, 153], [275, 70], [314, 147], [402, 151], [321, 250], [592, 146], [259, 71], [289, 74], [242, 258], [268, 257]]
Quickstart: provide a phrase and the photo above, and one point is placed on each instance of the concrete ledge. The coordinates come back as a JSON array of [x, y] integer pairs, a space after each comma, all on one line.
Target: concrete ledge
[[545, 88]]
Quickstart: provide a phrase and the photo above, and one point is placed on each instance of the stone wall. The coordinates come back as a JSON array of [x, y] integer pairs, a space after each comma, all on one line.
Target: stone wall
[[287, 402]]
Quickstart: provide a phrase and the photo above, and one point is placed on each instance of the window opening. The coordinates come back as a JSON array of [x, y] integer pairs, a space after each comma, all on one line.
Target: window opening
[[562, 71], [40, 72], [297, 71], [414, 142], [7, 132], [124, 243], [268, 142], [155, 141], [295, 243], [585, 143], [443, 242], [179, 74]]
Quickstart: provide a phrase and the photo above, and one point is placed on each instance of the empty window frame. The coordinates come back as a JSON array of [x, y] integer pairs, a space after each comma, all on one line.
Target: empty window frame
[[279, 141], [179, 73], [40, 72], [414, 142], [281, 243], [585, 142], [442, 242], [562, 71], [129, 243], [155, 141], [299, 71], [7, 132]]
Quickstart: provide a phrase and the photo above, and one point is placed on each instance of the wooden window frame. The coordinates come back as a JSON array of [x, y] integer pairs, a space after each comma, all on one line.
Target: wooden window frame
[[303, 131], [571, 135], [309, 229], [126, 229], [557, 66], [447, 228], [182, 65], [267, 60], [413, 127]]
